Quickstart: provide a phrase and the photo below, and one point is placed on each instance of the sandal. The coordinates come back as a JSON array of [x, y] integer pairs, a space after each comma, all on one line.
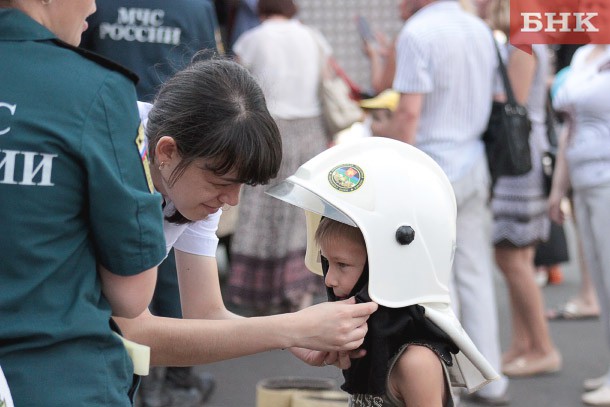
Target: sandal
[[571, 310]]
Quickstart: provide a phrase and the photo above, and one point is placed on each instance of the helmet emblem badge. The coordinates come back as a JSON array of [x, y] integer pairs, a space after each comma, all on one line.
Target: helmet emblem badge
[[346, 177]]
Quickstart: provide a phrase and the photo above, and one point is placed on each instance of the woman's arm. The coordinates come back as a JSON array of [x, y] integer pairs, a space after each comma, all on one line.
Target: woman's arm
[[200, 293], [561, 180], [383, 62], [327, 327], [128, 295], [521, 69], [210, 333]]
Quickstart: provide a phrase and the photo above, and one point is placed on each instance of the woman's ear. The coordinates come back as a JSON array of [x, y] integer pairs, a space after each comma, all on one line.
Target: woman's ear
[[166, 150]]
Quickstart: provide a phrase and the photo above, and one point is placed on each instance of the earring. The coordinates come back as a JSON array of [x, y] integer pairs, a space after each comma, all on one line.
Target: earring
[[225, 207], [162, 162]]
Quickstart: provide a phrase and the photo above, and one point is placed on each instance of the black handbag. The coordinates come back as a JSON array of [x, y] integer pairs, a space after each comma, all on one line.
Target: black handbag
[[555, 250], [507, 136]]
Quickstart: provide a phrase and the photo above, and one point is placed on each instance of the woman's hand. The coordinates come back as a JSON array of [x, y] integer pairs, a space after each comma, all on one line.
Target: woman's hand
[[341, 359], [331, 326]]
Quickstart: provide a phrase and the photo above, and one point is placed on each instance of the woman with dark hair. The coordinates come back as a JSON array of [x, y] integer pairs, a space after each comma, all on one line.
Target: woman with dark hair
[[209, 132], [286, 57]]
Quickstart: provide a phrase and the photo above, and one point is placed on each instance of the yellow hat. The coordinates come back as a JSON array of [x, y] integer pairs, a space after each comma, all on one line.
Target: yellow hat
[[388, 99]]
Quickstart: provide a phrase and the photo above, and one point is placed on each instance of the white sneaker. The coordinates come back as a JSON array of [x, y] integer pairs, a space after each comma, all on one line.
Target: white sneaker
[[594, 383], [599, 397]]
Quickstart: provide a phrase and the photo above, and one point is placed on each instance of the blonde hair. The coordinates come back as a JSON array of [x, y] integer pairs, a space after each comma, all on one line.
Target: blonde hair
[[329, 229]]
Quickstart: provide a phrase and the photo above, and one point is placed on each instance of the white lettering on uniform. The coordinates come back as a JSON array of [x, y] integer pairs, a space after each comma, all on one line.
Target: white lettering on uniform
[[140, 25], [11, 108], [43, 169], [8, 163]]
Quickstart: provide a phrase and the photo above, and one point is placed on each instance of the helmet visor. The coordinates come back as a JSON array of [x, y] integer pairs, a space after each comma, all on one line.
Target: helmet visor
[[302, 197]]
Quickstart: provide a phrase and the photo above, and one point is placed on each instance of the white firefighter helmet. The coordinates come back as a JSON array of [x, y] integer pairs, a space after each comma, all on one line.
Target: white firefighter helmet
[[405, 207], [402, 202]]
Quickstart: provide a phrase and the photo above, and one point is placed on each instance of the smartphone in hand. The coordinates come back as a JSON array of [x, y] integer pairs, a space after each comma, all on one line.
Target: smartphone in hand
[[364, 29]]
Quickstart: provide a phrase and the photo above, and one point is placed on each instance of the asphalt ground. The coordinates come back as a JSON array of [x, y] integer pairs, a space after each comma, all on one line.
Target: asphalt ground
[[580, 342]]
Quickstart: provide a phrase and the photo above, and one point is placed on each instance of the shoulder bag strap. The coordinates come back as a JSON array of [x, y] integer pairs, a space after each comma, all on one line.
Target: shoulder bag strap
[[507, 86]]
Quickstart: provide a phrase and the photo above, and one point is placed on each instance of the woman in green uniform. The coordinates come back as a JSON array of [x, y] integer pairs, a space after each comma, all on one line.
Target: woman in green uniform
[[73, 194]]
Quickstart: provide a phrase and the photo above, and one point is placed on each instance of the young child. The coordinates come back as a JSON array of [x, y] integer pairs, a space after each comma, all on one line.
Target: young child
[[401, 344], [381, 226]]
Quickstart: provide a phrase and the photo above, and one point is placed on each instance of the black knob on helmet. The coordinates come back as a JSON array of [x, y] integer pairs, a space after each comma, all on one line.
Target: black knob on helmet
[[405, 235]]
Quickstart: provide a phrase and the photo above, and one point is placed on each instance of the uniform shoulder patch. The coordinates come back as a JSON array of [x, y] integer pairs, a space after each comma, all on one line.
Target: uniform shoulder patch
[[142, 144]]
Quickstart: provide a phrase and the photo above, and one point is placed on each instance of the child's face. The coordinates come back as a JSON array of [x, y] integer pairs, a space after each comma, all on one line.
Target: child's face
[[346, 260]]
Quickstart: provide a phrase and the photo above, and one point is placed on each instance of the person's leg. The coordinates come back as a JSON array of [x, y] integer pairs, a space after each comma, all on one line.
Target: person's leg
[[417, 378], [586, 298], [584, 304], [593, 221], [473, 273], [532, 336], [520, 341]]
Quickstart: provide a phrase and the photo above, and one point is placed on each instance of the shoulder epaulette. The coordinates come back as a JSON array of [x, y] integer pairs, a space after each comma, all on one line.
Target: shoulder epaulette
[[100, 60]]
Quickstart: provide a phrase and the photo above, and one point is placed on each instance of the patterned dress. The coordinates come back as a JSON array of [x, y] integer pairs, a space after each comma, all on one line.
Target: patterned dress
[[519, 203]]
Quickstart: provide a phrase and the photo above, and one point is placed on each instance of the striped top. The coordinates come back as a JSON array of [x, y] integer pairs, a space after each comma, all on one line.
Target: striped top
[[448, 55]]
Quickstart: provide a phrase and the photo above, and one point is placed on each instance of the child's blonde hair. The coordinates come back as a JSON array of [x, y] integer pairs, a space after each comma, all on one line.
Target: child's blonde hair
[[329, 229]]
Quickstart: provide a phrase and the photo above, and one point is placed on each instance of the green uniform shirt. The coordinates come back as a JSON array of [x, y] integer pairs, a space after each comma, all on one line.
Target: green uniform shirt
[[73, 192]]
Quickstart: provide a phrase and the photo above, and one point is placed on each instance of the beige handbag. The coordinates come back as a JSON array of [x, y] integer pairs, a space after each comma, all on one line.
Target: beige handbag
[[340, 111]]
